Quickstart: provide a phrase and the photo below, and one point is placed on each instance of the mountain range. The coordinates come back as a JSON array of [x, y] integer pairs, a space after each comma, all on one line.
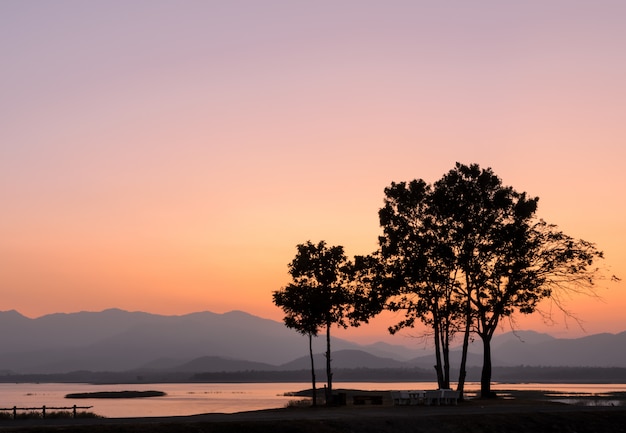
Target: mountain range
[[117, 340]]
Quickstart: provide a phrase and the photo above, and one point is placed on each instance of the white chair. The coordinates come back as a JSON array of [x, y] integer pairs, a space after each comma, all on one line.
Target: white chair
[[433, 397], [450, 397], [416, 397], [396, 397]]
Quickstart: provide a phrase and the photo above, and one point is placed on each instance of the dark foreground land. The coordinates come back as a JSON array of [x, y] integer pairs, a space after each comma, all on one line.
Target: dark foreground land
[[475, 416]]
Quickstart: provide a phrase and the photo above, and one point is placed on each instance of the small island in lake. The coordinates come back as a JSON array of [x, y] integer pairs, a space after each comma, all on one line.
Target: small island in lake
[[117, 394]]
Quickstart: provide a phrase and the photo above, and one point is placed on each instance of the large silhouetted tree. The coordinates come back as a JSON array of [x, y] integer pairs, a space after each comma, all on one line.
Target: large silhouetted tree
[[467, 252], [509, 258], [420, 264], [320, 295]]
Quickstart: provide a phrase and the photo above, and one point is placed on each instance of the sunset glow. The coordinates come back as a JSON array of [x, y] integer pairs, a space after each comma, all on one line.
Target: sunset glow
[[168, 156]]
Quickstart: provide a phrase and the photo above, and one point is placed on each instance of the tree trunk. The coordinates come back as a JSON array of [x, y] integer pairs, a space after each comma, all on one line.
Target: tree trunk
[[438, 367], [312, 370], [329, 374], [463, 367], [485, 377], [445, 346]]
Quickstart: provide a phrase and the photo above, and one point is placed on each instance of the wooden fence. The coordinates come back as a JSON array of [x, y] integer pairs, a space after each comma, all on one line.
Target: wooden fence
[[42, 409]]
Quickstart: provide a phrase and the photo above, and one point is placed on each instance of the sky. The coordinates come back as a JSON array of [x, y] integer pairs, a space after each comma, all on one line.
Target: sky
[[168, 156]]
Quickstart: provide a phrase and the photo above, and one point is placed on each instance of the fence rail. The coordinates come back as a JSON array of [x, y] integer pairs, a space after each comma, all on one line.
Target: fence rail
[[43, 409]]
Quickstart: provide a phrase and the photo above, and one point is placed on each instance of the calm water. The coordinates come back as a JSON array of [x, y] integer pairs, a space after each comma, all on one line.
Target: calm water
[[196, 398]]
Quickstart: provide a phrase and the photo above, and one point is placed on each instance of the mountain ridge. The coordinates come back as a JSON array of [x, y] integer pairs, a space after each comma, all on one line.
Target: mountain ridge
[[118, 340]]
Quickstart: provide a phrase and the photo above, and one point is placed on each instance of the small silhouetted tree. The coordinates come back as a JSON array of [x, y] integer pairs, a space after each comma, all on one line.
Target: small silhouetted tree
[[299, 305], [321, 278]]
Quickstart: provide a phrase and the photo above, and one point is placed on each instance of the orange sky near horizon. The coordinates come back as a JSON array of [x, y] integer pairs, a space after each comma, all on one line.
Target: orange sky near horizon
[[168, 156]]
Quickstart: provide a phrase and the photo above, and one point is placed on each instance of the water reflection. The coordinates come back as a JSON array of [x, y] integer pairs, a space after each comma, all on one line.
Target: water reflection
[[196, 398], [588, 398]]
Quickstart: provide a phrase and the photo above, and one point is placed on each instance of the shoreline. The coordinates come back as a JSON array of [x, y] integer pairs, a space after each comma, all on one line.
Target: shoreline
[[472, 416]]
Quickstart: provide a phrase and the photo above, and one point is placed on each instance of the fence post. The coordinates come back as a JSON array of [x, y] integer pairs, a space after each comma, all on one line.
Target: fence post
[[14, 412], [74, 412], [43, 411]]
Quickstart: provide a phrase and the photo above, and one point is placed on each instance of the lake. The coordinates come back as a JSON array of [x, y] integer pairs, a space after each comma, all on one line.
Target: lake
[[197, 398]]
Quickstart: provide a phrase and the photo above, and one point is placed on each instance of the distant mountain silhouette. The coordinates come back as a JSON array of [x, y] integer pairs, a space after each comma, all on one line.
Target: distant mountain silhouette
[[219, 364], [428, 361], [524, 337], [598, 350], [344, 359], [116, 340], [397, 351], [348, 358]]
